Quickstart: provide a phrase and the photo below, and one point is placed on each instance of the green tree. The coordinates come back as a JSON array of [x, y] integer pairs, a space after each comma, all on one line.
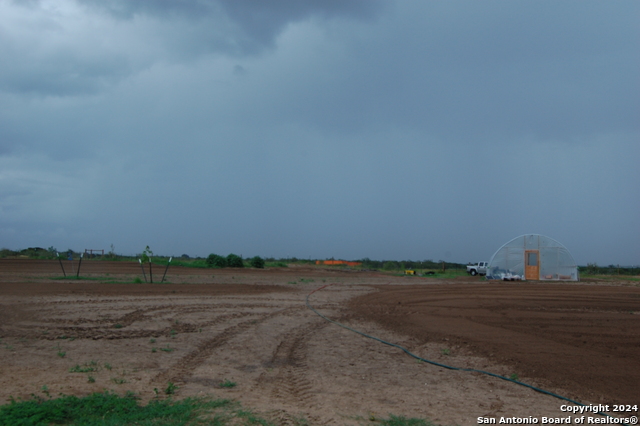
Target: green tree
[[390, 265], [215, 261], [257, 262], [234, 261], [146, 255]]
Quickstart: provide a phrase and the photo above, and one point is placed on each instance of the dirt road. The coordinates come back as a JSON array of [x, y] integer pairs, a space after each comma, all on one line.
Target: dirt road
[[248, 335]]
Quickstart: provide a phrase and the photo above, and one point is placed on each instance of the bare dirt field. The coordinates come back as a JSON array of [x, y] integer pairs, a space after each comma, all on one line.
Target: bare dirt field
[[252, 328]]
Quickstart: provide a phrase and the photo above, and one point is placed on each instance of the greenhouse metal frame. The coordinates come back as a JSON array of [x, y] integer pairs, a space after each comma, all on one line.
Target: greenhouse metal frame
[[533, 257]]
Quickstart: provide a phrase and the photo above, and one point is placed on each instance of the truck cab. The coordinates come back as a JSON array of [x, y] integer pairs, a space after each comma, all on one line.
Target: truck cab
[[479, 268]]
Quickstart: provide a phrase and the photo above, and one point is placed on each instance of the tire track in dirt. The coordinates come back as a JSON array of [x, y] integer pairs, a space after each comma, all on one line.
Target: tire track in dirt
[[181, 370], [111, 333], [290, 358], [124, 320]]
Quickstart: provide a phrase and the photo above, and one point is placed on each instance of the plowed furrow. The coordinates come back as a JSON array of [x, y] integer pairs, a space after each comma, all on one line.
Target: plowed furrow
[[181, 370]]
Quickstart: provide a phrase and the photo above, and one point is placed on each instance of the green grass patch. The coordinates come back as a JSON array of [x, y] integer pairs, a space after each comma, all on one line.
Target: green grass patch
[[104, 280], [403, 421], [228, 384], [73, 277], [449, 273], [86, 368], [610, 277], [111, 409], [276, 265]]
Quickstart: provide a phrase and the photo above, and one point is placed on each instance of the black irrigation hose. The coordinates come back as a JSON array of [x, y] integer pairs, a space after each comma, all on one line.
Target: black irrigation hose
[[472, 370]]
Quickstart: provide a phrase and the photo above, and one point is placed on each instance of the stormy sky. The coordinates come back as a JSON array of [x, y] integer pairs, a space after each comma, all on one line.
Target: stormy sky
[[321, 128]]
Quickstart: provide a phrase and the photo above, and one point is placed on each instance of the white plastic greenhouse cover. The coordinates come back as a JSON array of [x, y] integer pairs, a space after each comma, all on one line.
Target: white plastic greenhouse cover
[[555, 262]]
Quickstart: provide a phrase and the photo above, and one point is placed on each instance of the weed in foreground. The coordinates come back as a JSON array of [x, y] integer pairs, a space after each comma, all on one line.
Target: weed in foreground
[[227, 384], [514, 377], [171, 388], [300, 421], [45, 390], [403, 421], [87, 368], [250, 418]]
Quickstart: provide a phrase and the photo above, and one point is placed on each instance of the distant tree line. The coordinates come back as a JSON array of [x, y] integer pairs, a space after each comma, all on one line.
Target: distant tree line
[[391, 265], [31, 253], [594, 269], [235, 261]]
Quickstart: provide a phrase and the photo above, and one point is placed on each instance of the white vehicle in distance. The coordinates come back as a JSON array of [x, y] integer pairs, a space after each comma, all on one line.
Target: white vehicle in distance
[[478, 268]]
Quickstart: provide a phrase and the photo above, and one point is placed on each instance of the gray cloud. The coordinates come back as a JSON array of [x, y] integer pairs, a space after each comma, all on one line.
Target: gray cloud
[[69, 49], [346, 129], [477, 73], [250, 25]]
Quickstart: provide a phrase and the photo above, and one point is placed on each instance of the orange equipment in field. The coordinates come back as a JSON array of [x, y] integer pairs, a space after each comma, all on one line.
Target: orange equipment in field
[[337, 262]]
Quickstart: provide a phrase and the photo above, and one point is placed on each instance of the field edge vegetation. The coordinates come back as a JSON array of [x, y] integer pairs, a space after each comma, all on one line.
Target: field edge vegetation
[[429, 267]]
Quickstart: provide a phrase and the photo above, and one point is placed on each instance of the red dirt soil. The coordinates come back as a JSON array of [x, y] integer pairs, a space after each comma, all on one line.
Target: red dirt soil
[[582, 338], [252, 327]]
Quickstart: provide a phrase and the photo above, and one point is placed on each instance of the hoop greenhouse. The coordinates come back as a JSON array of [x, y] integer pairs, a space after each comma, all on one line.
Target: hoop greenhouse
[[532, 257]]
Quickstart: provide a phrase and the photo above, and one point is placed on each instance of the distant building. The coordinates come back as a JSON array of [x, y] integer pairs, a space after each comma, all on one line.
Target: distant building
[[532, 257]]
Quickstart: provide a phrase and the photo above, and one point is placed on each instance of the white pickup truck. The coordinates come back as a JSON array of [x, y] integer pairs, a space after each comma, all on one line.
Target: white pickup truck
[[478, 268]]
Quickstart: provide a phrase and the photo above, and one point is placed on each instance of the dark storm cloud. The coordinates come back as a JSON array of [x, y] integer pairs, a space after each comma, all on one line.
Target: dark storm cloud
[[68, 54], [262, 21], [256, 23]]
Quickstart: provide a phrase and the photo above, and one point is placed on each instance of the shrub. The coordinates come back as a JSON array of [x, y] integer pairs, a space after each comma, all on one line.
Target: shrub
[[257, 262], [6, 253], [234, 261], [390, 265], [215, 261]]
